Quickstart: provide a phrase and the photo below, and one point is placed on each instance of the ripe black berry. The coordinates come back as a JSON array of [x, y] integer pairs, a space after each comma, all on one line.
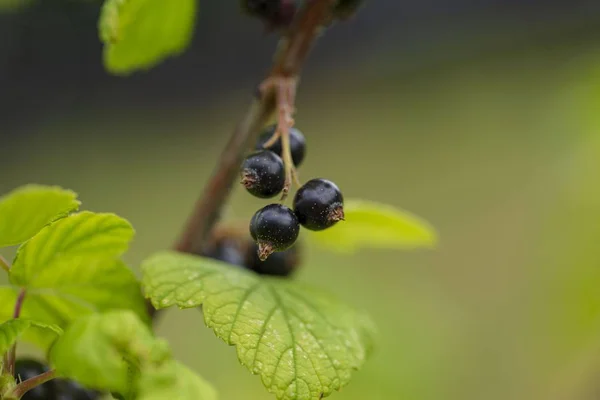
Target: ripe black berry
[[276, 13], [263, 174], [71, 390], [229, 251], [26, 368], [297, 144], [319, 204], [282, 263], [274, 228]]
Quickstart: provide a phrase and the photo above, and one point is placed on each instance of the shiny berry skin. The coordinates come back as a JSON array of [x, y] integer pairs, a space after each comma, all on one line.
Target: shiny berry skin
[[283, 263], [274, 228], [228, 251], [26, 368], [71, 390], [263, 174], [319, 204], [297, 144]]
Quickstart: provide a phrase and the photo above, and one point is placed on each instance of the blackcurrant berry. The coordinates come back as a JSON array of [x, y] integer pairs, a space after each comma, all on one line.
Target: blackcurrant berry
[[319, 204], [71, 390], [274, 228], [26, 368], [282, 263], [276, 13], [297, 144], [228, 251], [263, 174]]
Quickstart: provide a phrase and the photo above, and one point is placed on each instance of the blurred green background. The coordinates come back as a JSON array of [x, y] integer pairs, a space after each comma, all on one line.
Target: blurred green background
[[487, 128]]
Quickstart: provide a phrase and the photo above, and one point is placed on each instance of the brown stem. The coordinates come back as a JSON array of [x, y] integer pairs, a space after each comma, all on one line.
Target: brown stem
[[12, 352], [294, 49], [30, 383], [4, 264], [296, 46]]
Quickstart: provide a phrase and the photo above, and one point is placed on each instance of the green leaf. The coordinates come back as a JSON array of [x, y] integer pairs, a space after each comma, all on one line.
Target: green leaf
[[85, 235], [303, 343], [11, 330], [115, 351], [374, 225], [65, 291], [138, 34], [26, 210], [108, 351], [174, 381]]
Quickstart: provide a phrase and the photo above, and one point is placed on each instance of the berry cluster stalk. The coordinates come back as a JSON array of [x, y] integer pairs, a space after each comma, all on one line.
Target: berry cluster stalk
[[29, 384], [294, 50], [292, 53]]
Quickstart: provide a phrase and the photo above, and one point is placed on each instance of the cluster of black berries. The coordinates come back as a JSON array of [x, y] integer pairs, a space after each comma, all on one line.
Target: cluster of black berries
[[280, 13], [55, 389], [318, 204]]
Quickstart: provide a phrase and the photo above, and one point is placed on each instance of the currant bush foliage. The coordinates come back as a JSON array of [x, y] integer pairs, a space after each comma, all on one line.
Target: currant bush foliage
[[118, 352], [69, 274], [303, 343], [11, 331], [26, 210], [138, 34], [70, 268], [373, 225]]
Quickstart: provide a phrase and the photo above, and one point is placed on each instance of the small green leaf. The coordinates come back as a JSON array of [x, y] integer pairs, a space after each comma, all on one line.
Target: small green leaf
[[303, 343], [374, 225], [83, 235], [26, 210], [107, 351], [77, 287], [138, 34], [174, 381], [11, 330]]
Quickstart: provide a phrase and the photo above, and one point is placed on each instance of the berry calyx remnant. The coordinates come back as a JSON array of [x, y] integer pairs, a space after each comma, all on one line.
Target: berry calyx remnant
[[283, 263], [263, 174], [274, 228], [297, 144], [319, 204]]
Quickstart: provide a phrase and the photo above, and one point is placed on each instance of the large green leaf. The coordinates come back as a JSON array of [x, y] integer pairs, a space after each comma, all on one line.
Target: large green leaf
[[174, 381], [26, 210], [115, 351], [138, 34], [11, 330], [65, 291], [85, 235], [303, 343], [373, 225]]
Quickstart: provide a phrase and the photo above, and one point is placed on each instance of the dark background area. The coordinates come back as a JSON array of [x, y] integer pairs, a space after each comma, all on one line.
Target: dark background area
[[479, 116]]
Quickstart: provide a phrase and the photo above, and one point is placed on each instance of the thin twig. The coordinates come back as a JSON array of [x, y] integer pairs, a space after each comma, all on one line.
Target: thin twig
[[30, 383], [19, 303], [296, 47], [4, 264], [293, 51], [12, 352]]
